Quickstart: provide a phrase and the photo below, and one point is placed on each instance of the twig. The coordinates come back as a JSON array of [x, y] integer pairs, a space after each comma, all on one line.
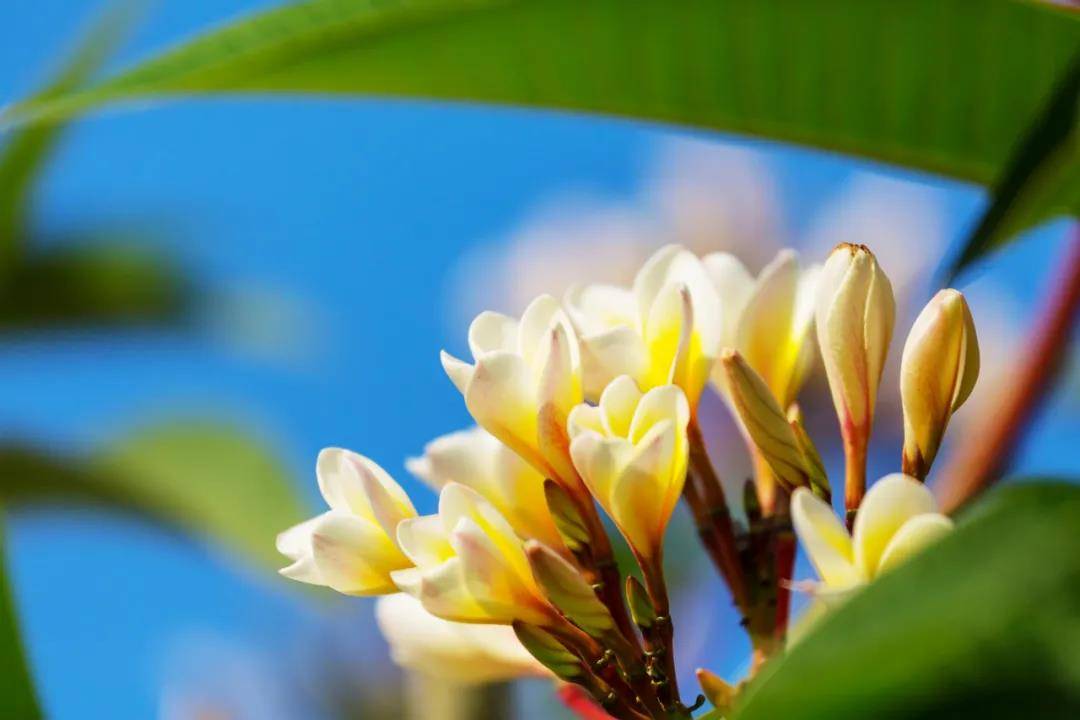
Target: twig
[[992, 439]]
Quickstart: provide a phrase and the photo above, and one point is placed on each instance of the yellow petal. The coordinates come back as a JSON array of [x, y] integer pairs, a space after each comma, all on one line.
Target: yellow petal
[[424, 540], [667, 402], [617, 405], [668, 328], [443, 593], [389, 503], [890, 502], [354, 556], [638, 498], [501, 586], [585, 418], [765, 329], [340, 483], [501, 397], [913, 537], [598, 461], [458, 502], [825, 539]]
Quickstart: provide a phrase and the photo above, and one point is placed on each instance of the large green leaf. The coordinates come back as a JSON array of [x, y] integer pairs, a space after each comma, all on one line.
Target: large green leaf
[[987, 624], [942, 85], [17, 698], [1042, 179], [206, 479]]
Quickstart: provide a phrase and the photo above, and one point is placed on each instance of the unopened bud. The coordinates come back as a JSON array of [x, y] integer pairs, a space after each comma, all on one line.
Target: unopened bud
[[937, 373], [716, 689], [854, 313], [568, 520], [815, 468], [764, 421], [546, 649], [567, 590], [641, 607]]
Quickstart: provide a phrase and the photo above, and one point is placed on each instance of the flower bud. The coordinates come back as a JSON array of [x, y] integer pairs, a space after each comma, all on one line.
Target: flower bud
[[548, 651], [765, 422], [567, 589], [854, 313], [937, 373], [641, 607]]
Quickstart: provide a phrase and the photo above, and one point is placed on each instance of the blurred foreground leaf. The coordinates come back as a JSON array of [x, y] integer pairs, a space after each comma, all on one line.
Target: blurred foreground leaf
[[17, 698], [1042, 179], [985, 625], [206, 479], [941, 85], [23, 156], [90, 286]]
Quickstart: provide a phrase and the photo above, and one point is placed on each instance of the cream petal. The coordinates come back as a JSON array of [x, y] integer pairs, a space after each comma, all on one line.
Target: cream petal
[[913, 537], [765, 328], [560, 377], [667, 336], [492, 331], [459, 372], [617, 404], [458, 502], [459, 456], [444, 594], [609, 354], [295, 542], [585, 418], [542, 314], [464, 654], [840, 308], [502, 399], [599, 460], [304, 570], [424, 540], [408, 580], [733, 284], [653, 276], [340, 483], [890, 502], [638, 498], [825, 539], [503, 586], [354, 556], [667, 402], [389, 503], [596, 308]]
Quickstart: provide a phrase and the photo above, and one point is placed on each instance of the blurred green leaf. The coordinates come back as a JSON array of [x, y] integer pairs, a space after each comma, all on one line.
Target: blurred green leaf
[[987, 624], [208, 479], [92, 285], [1042, 179], [17, 697], [26, 151], [942, 85]]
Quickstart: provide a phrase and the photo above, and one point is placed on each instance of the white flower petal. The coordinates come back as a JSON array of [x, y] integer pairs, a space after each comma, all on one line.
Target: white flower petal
[[389, 503], [340, 484], [609, 354], [459, 372], [617, 405], [597, 308], [354, 556], [492, 331], [825, 539], [890, 502], [913, 537], [424, 540]]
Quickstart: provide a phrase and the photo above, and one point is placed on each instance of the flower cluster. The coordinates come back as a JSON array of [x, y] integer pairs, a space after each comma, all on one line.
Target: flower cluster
[[593, 402]]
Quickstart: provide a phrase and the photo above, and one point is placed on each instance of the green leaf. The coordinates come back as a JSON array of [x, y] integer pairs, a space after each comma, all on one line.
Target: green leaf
[[24, 155], [986, 624], [92, 285], [941, 85], [1042, 179], [207, 479], [19, 700]]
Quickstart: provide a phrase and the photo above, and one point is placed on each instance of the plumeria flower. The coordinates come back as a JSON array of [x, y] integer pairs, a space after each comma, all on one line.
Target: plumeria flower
[[898, 518], [631, 450], [663, 331], [352, 548], [525, 380], [459, 652], [477, 459], [470, 565], [768, 319]]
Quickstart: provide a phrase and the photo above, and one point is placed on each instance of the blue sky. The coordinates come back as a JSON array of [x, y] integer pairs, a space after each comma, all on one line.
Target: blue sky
[[351, 215]]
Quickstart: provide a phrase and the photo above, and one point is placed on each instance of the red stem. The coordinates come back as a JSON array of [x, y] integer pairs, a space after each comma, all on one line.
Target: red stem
[[580, 704]]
